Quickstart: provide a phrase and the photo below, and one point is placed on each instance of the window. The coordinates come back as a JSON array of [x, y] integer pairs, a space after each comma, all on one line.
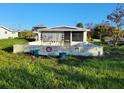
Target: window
[[67, 36], [5, 32], [51, 36], [77, 36]]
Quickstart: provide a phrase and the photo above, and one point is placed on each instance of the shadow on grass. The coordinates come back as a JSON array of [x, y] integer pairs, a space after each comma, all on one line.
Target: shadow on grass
[[114, 53], [8, 49], [73, 60], [104, 62], [114, 56], [29, 39]]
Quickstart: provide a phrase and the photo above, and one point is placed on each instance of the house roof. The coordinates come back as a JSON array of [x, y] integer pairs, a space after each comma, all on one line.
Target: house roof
[[40, 26], [64, 28], [7, 28]]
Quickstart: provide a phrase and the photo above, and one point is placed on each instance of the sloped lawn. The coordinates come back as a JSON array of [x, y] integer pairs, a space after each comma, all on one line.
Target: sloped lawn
[[7, 44], [19, 71]]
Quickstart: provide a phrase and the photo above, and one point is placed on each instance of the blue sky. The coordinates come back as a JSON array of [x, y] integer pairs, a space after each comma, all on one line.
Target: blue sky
[[25, 16]]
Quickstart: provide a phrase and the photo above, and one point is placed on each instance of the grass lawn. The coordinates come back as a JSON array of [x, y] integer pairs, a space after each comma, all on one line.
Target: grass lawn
[[18, 70], [7, 44]]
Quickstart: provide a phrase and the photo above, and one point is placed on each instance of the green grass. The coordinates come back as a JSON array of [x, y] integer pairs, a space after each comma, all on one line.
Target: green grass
[[96, 40], [18, 70], [7, 44]]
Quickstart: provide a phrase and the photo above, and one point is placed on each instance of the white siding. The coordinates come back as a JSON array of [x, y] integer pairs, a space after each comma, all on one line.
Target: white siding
[[4, 34]]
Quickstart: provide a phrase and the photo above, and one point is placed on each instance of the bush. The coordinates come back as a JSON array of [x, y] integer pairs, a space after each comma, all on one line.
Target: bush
[[26, 34]]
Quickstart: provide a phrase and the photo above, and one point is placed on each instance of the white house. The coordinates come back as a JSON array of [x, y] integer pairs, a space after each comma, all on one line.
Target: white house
[[7, 33], [55, 40], [60, 35]]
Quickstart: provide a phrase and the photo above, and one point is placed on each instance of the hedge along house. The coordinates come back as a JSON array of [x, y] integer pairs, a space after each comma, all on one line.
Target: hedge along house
[[6, 33], [56, 40], [61, 35]]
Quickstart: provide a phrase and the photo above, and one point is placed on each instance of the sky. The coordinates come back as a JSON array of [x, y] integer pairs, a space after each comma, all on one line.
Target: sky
[[27, 15]]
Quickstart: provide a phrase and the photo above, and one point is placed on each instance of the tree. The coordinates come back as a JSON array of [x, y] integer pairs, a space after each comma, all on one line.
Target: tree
[[80, 25], [101, 29], [90, 33], [117, 17], [25, 34]]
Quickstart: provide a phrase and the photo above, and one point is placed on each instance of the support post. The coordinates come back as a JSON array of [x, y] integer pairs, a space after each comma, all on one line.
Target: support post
[[70, 38], [84, 36], [39, 36]]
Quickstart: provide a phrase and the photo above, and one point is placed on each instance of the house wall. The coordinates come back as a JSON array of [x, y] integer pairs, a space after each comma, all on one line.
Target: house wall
[[55, 50], [74, 43], [57, 40], [4, 34], [51, 38]]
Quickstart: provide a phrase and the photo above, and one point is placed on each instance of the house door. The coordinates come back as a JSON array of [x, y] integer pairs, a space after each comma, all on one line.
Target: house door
[[67, 39]]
